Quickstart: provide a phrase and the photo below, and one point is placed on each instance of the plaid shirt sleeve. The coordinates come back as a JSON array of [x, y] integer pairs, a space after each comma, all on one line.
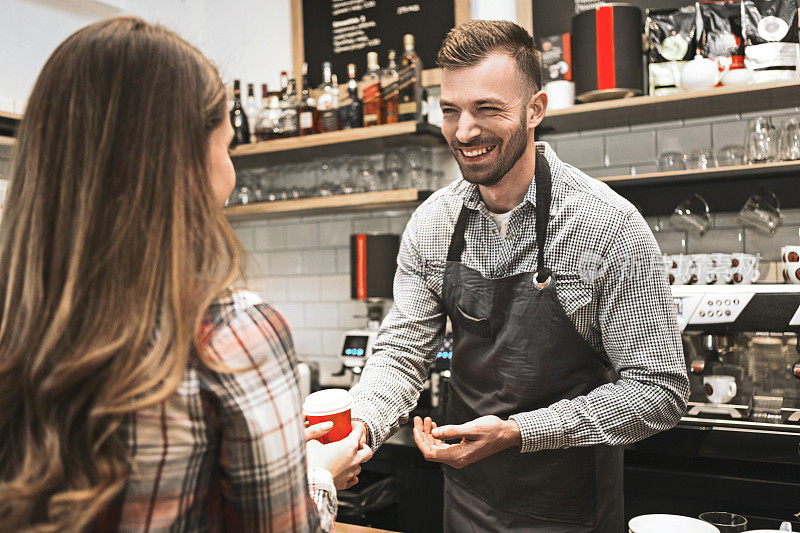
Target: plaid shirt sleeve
[[265, 483]]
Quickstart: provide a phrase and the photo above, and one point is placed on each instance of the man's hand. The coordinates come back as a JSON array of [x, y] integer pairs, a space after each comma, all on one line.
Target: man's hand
[[355, 424], [480, 438]]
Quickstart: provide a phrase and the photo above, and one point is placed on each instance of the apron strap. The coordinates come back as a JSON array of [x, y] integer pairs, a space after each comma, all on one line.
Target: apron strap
[[543, 197], [457, 241]]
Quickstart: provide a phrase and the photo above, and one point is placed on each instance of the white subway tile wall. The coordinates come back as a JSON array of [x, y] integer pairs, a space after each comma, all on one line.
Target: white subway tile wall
[[302, 264]]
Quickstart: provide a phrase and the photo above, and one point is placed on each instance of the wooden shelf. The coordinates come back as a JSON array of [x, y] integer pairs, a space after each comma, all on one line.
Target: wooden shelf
[[358, 140], [7, 141], [781, 168], [398, 199], [684, 105], [8, 123]]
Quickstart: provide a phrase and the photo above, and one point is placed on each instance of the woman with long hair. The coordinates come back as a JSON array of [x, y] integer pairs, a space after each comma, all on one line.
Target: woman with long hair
[[139, 390]]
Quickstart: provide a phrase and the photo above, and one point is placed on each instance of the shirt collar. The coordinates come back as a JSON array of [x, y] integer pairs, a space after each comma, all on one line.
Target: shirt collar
[[472, 195]]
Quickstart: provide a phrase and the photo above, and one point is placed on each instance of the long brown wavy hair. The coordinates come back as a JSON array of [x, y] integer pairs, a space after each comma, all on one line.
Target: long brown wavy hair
[[111, 250]]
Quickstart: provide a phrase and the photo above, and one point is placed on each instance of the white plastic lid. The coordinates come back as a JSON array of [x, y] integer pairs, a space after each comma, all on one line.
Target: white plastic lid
[[326, 402]]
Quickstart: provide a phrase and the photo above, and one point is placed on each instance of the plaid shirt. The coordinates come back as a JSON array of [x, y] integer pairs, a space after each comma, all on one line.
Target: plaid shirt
[[611, 283], [226, 451]]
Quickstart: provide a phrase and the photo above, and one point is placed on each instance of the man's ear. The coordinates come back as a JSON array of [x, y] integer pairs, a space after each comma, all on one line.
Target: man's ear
[[536, 108]]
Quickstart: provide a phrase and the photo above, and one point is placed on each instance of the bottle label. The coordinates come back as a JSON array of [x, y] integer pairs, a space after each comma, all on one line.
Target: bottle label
[[407, 108], [372, 92], [407, 77], [329, 119], [306, 120], [290, 122], [390, 90]]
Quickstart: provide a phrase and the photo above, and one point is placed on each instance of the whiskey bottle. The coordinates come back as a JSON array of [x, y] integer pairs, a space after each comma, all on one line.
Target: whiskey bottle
[[351, 115], [251, 104], [264, 125], [409, 83], [289, 115], [389, 90], [328, 114], [373, 99], [307, 107], [241, 128]]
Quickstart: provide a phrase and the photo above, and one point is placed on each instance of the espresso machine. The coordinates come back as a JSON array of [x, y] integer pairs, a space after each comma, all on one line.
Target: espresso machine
[[740, 342], [737, 446]]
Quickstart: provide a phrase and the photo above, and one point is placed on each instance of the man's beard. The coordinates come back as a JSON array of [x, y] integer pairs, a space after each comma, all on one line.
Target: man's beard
[[492, 174]]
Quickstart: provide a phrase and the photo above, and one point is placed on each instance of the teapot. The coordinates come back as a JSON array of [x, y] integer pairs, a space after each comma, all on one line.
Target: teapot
[[701, 73]]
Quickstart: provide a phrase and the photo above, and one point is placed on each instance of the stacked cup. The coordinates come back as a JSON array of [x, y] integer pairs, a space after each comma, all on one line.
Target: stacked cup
[[713, 269], [790, 255]]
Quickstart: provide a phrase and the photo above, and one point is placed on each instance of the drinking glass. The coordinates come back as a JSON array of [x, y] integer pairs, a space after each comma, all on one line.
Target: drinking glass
[[669, 161], [761, 141], [762, 211], [790, 141], [730, 155], [725, 522], [693, 213], [394, 176], [701, 160]]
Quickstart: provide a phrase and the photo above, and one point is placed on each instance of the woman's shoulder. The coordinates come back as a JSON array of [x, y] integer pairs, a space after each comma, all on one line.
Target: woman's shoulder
[[240, 321]]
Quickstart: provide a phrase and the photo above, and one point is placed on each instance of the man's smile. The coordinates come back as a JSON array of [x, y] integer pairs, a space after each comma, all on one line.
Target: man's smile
[[476, 154]]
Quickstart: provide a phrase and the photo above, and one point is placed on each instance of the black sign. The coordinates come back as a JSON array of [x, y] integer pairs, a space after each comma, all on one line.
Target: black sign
[[343, 31]]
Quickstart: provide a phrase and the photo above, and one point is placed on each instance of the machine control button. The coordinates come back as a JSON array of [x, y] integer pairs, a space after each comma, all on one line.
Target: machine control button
[[727, 302], [735, 301], [727, 312], [702, 313], [719, 302], [719, 313], [710, 303]]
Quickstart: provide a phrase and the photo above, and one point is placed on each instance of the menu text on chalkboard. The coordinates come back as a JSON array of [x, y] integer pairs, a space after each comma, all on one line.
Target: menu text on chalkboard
[[343, 31]]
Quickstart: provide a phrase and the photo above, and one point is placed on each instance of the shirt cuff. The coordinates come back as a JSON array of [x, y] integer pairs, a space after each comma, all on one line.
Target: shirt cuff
[[375, 436], [540, 430], [323, 492]]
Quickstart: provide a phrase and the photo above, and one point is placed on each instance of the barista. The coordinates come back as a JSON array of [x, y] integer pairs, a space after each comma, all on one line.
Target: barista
[[550, 279]]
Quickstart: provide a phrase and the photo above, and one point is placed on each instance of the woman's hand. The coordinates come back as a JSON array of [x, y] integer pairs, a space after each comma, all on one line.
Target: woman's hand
[[317, 431], [342, 458]]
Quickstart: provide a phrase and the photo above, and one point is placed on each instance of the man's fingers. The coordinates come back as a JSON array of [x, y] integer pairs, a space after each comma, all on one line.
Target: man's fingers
[[427, 424], [364, 454], [452, 432], [318, 430], [356, 433]]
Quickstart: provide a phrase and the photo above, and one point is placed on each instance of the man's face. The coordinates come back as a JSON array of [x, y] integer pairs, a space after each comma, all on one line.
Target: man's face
[[485, 117]]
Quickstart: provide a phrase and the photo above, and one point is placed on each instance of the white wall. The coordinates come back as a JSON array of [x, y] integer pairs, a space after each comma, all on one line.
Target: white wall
[[249, 39]]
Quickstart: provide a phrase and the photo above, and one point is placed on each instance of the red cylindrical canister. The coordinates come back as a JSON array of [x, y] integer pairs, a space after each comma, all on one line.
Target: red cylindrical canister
[[607, 52]]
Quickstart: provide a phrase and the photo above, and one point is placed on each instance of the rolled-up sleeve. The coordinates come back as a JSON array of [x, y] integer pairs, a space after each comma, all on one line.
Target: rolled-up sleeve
[[395, 373]]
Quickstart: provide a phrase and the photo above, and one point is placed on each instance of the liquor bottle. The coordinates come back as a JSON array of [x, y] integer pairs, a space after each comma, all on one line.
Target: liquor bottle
[[289, 116], [351, 115], [307, 109], [389, 90], [264, 125], [328, 114], [373, 100], [251, 104], [409, 83], [241, 128]]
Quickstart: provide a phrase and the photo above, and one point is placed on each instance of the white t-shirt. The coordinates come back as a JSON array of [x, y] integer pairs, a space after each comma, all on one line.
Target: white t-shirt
[[502, 222]]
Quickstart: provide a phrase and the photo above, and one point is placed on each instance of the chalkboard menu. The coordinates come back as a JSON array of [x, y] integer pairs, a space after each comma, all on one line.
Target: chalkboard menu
[[343, 31]]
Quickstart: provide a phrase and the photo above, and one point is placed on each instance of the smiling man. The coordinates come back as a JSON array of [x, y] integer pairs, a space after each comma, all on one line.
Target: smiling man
[[565, 340]]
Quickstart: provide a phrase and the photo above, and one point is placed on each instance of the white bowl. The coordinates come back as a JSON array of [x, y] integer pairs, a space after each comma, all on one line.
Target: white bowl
[[669, 523]]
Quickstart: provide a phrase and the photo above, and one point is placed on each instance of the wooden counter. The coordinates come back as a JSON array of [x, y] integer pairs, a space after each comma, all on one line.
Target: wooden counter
[[350, 528]]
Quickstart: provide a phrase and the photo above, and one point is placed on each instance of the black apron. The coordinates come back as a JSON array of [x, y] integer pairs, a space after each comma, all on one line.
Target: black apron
[[515, 350]]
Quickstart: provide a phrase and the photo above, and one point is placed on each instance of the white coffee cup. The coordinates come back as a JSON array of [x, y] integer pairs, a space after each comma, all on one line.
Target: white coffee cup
[[723, 268], [685, 271], [745, 268], [560, 94], [719, 389]]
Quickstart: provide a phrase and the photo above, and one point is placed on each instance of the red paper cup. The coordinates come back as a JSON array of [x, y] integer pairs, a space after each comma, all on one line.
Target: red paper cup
[[329, 405]]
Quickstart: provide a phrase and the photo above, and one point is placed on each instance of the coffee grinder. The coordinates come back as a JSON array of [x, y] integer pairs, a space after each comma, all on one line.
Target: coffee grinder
[[373, 262]]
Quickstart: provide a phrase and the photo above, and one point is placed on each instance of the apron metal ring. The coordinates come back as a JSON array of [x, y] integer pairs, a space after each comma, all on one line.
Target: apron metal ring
[[543, 284]]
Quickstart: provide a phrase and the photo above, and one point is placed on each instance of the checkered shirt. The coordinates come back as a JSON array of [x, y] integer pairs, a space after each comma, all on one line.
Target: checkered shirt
[[226, 451], [611, 283]]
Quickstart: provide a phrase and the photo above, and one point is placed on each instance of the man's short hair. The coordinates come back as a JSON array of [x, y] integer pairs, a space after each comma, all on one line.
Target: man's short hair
[[469, 43]]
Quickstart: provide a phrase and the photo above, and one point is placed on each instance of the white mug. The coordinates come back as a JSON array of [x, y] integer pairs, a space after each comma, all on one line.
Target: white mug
[[745, 268], [723, 268], [560, 94], [686, 270], [719, 389]]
